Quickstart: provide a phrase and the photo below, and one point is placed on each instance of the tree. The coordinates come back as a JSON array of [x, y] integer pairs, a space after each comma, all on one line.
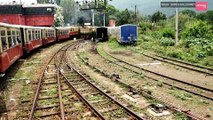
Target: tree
[[156, 17], [199, 29], [190, 13], [123, 17], [81, 20], [209, 16], [69, 10], [111, 12], [58, 17], [201, 16], [43, 1]]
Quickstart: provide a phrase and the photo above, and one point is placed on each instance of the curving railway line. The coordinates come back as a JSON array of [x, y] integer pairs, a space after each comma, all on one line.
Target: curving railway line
[[180, 84], [61, 85], [186, 65], [139, 91]]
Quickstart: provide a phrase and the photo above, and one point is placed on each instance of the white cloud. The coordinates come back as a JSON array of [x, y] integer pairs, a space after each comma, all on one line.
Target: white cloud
[[18, 1]]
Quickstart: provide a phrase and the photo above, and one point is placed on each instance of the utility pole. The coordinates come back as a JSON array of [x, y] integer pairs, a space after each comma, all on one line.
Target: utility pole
[[135, 13], [94, 8], [105, 3], [176, 24], [93, 18]]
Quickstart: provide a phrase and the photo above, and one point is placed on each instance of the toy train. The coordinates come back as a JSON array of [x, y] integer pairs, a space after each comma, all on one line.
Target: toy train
[[125, 34], [15, 40]]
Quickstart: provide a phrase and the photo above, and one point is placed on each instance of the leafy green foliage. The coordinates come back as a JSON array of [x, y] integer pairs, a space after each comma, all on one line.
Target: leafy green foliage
[[180, 116], [168, 32], [189, 13], [156, 17], [43, 1], [69, 10], [156, 34], [200, 47], [167, 41], [144, 26], [123, 17], [58, 17], [209, 16], [200, 29]]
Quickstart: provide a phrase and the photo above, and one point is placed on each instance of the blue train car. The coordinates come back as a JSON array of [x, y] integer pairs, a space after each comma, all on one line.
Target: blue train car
[[127, 33]]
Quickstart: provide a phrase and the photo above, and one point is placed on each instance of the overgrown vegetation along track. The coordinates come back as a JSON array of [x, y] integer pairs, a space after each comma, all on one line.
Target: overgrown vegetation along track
[[189, 87], [60, 80], [54, 99], [103, 105], [189, 66], [143, 92]]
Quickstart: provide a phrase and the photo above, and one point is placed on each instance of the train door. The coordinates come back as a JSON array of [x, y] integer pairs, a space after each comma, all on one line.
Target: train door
[[3, 38]]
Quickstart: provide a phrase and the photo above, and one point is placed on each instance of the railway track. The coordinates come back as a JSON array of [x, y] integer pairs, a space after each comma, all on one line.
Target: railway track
[[182, 85], [188, 113], [54, 99], [61, 86], [189, 66], [103, 105]]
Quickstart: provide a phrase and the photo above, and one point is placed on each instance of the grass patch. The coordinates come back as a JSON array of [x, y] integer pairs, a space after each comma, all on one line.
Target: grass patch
[[181, 94], [95, 97], [160, 83], [104, 54], [52, 91], [180, 116], [47, 102]]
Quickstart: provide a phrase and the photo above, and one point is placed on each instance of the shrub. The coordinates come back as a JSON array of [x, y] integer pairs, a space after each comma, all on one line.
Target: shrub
[[144, 26], [167, 41], [175, 53], [200, 47], [156, 34], [200, 29], [168, 32]]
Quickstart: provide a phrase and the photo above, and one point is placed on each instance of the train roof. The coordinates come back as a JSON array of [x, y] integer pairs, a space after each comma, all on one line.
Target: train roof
[[128, 25], [23, 26], [9, 25], [40, 5]]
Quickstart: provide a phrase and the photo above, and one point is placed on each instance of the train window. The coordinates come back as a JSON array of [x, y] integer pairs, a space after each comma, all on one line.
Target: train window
[[29, 35], [3, 40], [14, 38], [46, 32], [33, 35], [39, 35], [9, 37], [18, 36], [36, 34]]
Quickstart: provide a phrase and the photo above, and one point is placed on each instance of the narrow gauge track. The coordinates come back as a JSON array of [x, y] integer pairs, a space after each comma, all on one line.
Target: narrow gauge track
[[143, 92], [54, 99], [182, 85], [189, 66], [103, 105]]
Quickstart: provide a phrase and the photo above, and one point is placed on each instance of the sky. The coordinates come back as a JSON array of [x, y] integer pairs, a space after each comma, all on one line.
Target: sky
[[23, 1], [145, 7]]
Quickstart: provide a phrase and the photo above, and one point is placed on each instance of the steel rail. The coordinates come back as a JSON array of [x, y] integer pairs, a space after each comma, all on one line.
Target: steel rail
[[165, 76], [189, 67], [195, 65], [109, 97], [39, 83], [60, 96], [187, 113]]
